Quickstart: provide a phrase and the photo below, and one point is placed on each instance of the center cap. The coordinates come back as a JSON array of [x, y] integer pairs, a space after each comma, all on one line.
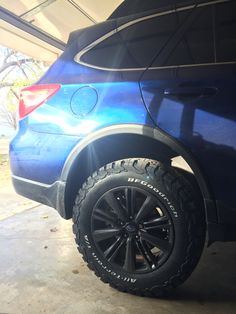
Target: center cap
[[131, 228]]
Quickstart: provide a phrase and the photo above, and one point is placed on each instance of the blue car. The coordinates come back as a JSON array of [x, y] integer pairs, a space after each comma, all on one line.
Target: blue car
[[100, 133]]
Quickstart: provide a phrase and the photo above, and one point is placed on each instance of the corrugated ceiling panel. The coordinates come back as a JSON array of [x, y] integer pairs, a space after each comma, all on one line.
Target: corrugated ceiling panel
[[99, 9], [16, 39], [20, 6], [56, 17], [59, 19]]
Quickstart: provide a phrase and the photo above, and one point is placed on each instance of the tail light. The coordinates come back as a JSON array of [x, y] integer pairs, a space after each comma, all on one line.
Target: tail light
[[34, 96]]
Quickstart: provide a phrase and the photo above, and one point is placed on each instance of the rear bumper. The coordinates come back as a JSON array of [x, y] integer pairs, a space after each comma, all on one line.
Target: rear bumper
[[50, 195]]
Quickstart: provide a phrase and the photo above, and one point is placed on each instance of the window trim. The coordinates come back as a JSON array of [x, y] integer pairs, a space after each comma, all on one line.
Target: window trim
[[191, 65], [80, 54]]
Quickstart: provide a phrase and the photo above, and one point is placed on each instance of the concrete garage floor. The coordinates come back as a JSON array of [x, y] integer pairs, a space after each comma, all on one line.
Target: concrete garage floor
[[42, 272]]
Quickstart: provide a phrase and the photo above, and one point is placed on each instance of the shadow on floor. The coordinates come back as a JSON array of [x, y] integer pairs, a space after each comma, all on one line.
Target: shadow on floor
[[214, 279]]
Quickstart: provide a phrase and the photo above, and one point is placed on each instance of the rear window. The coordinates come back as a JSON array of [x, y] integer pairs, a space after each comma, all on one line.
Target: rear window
[[135, 46]]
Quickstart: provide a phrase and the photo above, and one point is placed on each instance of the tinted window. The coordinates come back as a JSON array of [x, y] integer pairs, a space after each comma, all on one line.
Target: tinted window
[[110, 53], [135, 46], [226, 31], [197, 45]]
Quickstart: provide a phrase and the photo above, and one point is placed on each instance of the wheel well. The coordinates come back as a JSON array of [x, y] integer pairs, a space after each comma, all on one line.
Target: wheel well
[[107, 149]]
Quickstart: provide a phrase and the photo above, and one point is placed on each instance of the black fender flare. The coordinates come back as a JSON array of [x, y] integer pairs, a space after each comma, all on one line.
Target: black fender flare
[[146, 131], [214, 230]]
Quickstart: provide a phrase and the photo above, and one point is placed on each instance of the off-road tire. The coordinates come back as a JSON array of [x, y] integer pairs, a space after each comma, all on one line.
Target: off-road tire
[[183, 204]]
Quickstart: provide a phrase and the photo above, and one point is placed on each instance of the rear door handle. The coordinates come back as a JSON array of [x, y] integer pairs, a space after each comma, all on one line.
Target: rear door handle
[[190, 92]]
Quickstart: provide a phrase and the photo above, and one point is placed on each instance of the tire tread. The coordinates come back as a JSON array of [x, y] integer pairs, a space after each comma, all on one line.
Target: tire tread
[[174, 182]]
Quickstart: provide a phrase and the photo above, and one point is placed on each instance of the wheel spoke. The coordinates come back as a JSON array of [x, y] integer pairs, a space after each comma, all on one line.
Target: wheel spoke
[[146, 253], [129, 264], [113, 250], [163, 245], [146, 207], [103, 234], [157, 223], [104, 216], [130, 201], [132, 229], [115, 205]]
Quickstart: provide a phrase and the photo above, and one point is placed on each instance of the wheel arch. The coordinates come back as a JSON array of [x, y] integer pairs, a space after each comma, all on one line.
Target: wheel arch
[[113, 143]]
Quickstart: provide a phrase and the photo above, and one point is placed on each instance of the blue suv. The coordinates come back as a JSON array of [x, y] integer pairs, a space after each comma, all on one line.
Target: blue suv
[[99, 132]]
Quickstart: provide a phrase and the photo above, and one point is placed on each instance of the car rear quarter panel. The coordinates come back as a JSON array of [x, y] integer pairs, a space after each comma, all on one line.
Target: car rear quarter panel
[[47, 136]]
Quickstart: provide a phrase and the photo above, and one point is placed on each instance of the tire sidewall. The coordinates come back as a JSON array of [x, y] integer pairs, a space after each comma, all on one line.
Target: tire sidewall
[[175, 209]]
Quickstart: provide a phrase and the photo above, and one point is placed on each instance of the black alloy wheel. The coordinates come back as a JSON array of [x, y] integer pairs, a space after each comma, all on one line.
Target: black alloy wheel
[[132, 229], [140, 225]]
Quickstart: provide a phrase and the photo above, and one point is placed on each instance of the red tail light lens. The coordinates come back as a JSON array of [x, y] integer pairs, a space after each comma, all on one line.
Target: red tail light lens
[[34, 96]]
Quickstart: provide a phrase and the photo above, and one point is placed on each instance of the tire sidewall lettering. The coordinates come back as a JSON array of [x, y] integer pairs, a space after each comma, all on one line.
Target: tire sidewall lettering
[[157, 191], [105, 268]]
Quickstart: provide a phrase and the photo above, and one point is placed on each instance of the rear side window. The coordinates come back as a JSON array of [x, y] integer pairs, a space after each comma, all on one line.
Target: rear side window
[[197, 45], [210, 39], [135, 46], [225, 25]]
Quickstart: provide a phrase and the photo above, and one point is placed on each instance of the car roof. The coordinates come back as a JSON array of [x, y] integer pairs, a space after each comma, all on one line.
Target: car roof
[[131, 7]]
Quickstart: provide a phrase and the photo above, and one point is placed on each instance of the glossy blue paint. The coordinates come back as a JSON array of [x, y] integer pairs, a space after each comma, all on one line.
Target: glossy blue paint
[[47, 136], [204, 124], [84, 100], [39, 156], [195, 104], [114, 101]]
